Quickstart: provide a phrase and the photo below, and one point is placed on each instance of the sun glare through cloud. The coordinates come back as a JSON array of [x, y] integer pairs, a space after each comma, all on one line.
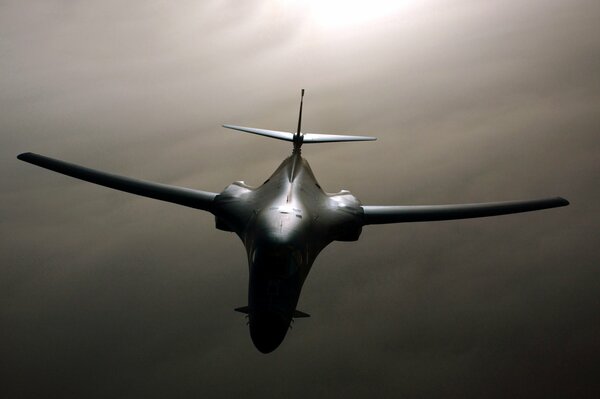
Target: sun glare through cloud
[[338, 14]]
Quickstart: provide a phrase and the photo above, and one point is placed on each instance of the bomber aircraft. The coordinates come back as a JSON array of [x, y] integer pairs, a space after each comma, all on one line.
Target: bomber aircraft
[[286, 222]]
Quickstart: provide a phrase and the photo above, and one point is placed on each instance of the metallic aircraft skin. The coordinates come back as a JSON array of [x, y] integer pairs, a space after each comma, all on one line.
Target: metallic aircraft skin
[[286, 222]]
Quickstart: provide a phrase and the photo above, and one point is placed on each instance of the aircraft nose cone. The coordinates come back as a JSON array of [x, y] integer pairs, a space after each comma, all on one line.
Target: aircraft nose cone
[[267, 330]]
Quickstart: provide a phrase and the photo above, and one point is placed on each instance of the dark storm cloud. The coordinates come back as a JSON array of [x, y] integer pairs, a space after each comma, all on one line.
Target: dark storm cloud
[[105, 294]]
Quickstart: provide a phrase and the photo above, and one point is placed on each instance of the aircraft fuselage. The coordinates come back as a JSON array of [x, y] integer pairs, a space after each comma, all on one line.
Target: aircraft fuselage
[[289, 221]]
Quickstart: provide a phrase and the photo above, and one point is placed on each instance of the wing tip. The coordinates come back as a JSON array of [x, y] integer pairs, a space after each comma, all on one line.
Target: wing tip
[[24, 156], [560, 201]]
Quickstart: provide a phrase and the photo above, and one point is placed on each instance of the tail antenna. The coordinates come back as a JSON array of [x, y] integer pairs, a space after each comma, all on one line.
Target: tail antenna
[[298, 136]]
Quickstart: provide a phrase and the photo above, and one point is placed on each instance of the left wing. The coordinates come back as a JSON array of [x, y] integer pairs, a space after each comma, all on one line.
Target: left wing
[[427, 213], [178, 195]]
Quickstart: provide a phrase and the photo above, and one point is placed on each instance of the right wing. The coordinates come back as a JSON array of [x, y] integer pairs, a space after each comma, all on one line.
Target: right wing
[[426, 213], [183, 196]]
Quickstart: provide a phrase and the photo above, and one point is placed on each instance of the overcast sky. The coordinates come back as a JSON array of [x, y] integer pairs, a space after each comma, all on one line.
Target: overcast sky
[[105, 294]]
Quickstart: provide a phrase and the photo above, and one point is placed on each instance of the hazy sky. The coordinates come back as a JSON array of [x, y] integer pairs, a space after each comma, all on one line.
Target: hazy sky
[[105, 294]]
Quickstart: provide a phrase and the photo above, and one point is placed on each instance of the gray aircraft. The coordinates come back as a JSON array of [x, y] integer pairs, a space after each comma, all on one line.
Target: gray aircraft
[[286, 222]]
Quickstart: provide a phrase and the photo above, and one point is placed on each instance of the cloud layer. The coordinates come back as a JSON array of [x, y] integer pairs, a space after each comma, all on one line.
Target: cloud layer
[[106, 294]]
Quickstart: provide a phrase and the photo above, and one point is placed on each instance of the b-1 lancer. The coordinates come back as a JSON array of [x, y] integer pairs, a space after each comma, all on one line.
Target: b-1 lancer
[[286, 222]]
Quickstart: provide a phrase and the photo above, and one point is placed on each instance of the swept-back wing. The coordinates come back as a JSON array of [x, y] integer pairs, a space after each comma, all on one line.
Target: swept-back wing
[[426, 213], [178, 195]]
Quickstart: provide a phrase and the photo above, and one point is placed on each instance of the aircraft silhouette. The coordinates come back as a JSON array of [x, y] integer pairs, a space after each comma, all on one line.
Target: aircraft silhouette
[[286, 222]]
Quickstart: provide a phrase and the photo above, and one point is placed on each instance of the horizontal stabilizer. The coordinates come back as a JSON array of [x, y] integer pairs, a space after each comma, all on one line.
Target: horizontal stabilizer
[[179, 195], [307, 138], [297, 314], [287, 136], [427, 213], [332, 138]]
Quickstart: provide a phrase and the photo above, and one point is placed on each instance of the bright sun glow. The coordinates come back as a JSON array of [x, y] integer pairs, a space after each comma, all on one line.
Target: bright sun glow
[[343, 13]]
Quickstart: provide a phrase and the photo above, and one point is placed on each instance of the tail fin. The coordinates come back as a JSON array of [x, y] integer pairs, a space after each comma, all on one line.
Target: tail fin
[[300, 138], [307, 138]]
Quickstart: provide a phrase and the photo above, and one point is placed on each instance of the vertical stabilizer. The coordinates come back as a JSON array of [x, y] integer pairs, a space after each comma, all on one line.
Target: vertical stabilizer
[[298, 135], [299, 138]]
